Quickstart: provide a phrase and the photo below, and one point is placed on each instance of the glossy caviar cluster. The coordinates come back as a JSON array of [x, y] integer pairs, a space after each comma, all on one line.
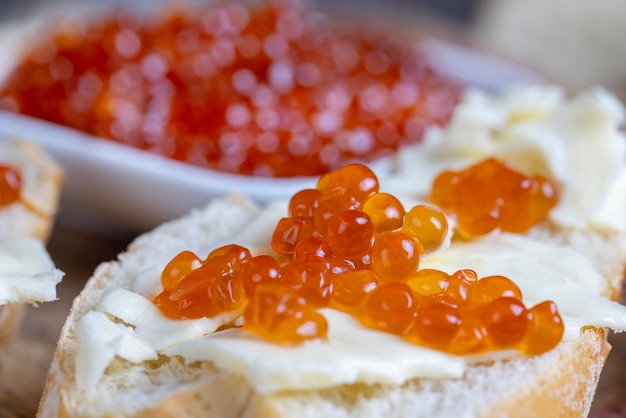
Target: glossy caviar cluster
[[261, 88], [491, 195], [10, 185], [349, 247]]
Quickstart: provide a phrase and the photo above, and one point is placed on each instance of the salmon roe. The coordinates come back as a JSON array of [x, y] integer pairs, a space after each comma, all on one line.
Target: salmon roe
[[491, 195], [373, 276], [10, 185], [260, 88]]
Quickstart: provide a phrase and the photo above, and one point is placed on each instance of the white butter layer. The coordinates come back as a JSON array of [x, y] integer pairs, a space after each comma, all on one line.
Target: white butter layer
[[27, 274], [351, 353], [577, 142]]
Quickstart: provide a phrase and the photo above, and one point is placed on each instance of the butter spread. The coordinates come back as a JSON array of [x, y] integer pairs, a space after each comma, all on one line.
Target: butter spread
[[27, 274], [577, 142]]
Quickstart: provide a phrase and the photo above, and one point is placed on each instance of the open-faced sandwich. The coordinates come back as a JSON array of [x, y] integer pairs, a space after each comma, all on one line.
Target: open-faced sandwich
[[476, 281], [30, 183]]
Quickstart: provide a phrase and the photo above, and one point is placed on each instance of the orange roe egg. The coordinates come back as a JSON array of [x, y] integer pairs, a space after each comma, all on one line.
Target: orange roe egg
[[545, 329], [259, 269], [427, 282], [309, 277], [458, 285], [350, 289], [470, 337], [258, 88], [278, 314], [356, 181], [179, 267], [490, 288], [437, 324], [506, 321], [10, 185], [231, 256], [491, 195], [363, 262], [395, 256], [545, 196], [428, 225], [329, 207], [312, 246], [385, 211], [289, 232], [337, 266], [390, 307], [350, 233], [304, 203]]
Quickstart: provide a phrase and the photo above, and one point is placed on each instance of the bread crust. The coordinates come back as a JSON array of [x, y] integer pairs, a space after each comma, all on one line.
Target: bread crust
[[571, 383]]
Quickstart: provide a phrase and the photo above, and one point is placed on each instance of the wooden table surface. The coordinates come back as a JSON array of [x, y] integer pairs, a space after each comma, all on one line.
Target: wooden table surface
[[23, 375]]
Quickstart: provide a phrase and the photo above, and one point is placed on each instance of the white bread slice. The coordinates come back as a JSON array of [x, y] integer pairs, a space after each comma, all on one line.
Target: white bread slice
[[561, 381], [34, 214], [42, 178]]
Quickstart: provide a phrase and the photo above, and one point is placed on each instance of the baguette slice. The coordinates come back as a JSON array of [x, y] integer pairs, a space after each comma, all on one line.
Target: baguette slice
[[34, 214], [42, 178], [561, 381]]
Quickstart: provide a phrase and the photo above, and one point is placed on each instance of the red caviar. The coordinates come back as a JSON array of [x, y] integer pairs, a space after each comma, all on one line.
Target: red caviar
[[261, 88], [10, 185], [491, 195], [371, 275]]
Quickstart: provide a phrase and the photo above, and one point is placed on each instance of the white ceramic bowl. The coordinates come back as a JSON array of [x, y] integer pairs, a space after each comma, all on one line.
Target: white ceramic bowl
[[114, 190]]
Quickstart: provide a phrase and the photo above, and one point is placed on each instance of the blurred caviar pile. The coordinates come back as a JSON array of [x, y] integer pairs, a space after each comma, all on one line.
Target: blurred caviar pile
[[268, 89]]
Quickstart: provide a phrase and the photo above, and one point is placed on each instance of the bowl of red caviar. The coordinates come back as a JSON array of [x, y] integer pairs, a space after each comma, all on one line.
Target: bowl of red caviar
[[153, 115]]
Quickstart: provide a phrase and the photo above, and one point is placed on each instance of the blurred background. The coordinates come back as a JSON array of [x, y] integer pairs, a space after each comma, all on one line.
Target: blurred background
[[575, 43]]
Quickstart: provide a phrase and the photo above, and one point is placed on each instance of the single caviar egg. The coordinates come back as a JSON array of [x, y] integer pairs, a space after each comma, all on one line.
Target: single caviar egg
[[312, 245], [328, 208], [309, 277], [289, 232], [350, 233], [458, 286], [390, 307], [428, 225], [470, 337], [427, 282], [356, 181], [259, 269], [437, 324], [10, 185], [490, 288], [350, 289], [385, 211], [179, 267], [304, 203], [506, 321], [395, 256], [545, 329]]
